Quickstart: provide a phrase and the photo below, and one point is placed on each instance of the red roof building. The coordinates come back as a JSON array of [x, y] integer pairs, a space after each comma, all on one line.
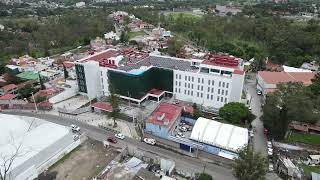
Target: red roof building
[[8, 97], [10, 88], [268, 81]]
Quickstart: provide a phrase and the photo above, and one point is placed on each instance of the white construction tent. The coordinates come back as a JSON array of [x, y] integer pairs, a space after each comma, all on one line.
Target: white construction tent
[[225, 136]]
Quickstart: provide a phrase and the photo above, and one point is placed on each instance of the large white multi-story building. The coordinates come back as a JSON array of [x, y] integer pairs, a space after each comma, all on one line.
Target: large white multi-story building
[[212, 81]]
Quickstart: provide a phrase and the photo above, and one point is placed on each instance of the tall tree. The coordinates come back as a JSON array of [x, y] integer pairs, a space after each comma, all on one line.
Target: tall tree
[[249, 165], [315, 86], [113, 99], [236, 113]]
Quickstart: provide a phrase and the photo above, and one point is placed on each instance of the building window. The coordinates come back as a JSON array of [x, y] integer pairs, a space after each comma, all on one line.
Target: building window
[[225, 100], [202, 80], [189, 78], [191, 86], [212, 90], [212, 82], [227, 85], [201, 94], [209, 82], [176, 76], [185, 85], [175, 90], [185, 92], [218, 98], [179, 90], [207, 96], [211, 97], [223, 84], [192, 79], [198, 80], [179, 76], [221, 99], [188, 92], [226, 92], [185, 78], [201, 88], [222, 92], [197, 94], [188, 85], [101, 73], [179, 83], [208, 89], [219, 83], [198, 87], [191, 93], [176, 83], [218, 91]]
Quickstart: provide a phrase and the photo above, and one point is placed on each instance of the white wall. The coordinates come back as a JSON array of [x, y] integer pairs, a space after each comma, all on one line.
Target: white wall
[[236, 87], [213, 95], [92, 74]]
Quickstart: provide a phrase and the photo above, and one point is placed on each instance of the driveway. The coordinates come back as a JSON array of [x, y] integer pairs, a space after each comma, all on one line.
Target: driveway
[[260, 140]]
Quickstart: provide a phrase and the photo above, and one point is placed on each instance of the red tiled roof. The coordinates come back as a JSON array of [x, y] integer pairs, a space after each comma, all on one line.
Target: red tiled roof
[[102, 56], [9, 87], [169, 112], [103, 106], [284, 77], [8, 97], [45, 93], [68, 64], [156, 92]]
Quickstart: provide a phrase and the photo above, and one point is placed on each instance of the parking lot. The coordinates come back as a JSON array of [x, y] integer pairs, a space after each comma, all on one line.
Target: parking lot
[[182, 130], [84, 162]]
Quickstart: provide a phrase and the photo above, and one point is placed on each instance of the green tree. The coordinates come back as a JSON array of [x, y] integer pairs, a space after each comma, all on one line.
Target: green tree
[[249, 165], [315, 86], [65, 72], [42, 86], [196, 111], [175, 47], [291, 102], [26, 91], [113, 99], [124, 38], [204, 176], [236, 113]]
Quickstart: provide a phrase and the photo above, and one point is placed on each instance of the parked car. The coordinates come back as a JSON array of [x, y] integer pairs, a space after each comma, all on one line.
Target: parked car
[[75, 128], [149, 141], [271, 167], [183, 129], [180, 134], [75, 137], [119, 136], [269, 144], [112, 140], [259, 92], [270, 152], [251, 133]]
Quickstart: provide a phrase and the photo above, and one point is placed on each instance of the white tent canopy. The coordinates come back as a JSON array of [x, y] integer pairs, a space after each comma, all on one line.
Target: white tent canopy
[[218, 134]]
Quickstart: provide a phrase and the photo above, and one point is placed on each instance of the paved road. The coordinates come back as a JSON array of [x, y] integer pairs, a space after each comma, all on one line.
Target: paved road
[[188, 164], [259, 141]]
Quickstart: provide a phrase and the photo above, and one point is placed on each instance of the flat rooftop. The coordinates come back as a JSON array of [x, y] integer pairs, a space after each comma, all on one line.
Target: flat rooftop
[[165, 114], [222, 60]]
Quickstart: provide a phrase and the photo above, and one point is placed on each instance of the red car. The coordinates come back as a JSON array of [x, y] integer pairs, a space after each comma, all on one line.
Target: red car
[[112, 140]]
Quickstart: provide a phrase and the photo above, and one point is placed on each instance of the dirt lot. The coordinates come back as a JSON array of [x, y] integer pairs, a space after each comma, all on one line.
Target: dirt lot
[[83, 163]]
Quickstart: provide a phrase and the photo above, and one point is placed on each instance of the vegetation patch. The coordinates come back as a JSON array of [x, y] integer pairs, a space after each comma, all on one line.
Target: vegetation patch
[[312, 139]]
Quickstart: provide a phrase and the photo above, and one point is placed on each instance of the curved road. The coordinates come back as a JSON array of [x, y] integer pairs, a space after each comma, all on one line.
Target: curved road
[[184, 163]]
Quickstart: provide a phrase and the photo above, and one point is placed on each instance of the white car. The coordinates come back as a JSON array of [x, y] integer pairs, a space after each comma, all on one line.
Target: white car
[[270, 152], [269, 144], [180, 134], [149, 141], [251, 133], [271, 167], [119, 136], [183, 129], [75, 128], [75, 137], [259, 92]]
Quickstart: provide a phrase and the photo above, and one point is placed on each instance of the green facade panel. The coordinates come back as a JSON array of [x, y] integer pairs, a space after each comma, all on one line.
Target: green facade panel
[[136, 86]]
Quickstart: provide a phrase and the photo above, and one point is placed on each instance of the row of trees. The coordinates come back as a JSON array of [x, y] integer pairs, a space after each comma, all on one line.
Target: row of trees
[[291, 102]]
